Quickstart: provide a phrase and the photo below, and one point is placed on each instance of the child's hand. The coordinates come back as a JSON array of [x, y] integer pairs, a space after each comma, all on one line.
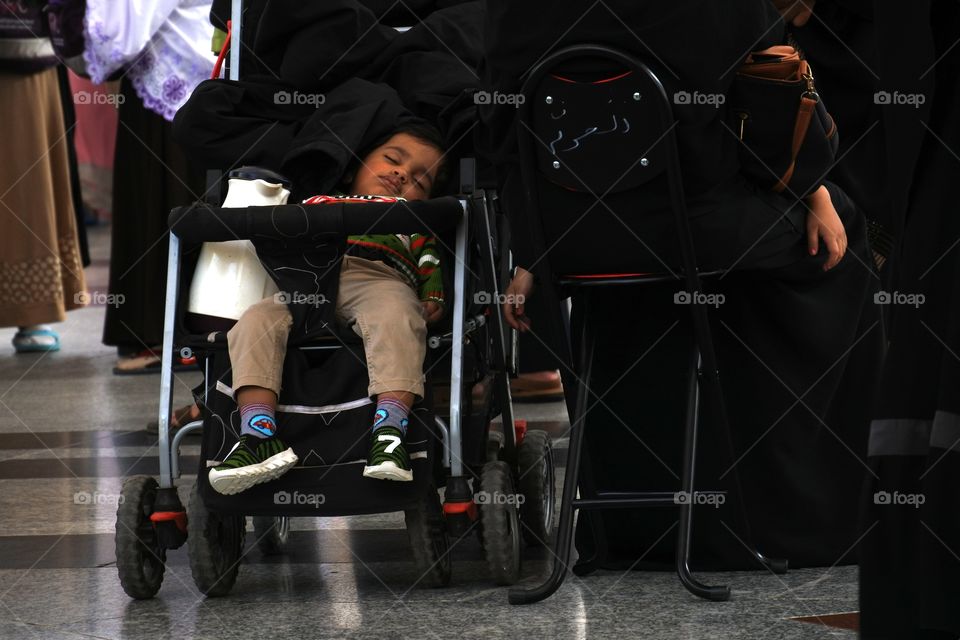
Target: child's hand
[[824, 222], [432, 311], [521, 286]]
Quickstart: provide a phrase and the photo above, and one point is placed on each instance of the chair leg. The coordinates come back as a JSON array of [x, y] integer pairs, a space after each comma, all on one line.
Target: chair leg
[[592, 519], [692, 419], [717, 402], [564, 536], [778, 566]]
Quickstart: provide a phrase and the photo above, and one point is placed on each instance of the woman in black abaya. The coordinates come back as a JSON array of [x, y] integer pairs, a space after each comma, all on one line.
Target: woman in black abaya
[[910, 555], [797, 345]]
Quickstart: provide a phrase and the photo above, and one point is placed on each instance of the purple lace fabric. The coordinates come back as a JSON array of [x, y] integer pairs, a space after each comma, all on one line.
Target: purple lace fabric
[[165, 57]]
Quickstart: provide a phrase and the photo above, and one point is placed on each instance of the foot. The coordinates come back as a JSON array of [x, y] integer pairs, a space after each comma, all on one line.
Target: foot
[[36, 337], [252, 461], [179, 417], [388, 459]]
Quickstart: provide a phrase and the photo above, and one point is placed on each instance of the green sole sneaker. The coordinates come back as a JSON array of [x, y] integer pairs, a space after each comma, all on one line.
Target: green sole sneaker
[[252, 461], [388, 459]]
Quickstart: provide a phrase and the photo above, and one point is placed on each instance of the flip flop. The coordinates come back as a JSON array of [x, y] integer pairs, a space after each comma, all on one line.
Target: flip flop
[[25, 341]]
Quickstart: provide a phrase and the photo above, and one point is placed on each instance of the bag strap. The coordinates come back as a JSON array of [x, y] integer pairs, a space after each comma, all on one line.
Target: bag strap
[[808, 104]]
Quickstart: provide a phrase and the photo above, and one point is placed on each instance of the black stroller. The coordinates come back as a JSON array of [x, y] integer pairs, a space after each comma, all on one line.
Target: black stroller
[[500, 482]]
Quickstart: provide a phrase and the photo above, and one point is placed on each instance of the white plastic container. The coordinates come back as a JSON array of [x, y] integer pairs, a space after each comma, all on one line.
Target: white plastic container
[[229, 277]]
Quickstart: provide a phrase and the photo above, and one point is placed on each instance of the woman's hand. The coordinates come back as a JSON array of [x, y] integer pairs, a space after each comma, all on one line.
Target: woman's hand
[[521, 286], [824, 222], [432, 311]]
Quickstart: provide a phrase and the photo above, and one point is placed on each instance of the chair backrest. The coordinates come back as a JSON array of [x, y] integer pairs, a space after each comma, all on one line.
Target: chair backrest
[[599, 163]]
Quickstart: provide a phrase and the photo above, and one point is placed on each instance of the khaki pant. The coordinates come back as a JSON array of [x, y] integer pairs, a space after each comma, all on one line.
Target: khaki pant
[[374, 300]]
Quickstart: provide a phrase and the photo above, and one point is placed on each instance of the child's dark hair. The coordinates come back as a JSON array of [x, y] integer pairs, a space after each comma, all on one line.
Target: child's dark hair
[[425, 133]]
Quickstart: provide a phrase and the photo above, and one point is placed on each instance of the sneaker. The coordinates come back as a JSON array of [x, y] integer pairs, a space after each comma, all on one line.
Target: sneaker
[[36, 338], [388, 459], [252, 461]]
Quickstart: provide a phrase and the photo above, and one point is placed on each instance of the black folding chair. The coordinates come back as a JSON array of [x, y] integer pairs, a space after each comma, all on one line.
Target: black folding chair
[[596, 128]]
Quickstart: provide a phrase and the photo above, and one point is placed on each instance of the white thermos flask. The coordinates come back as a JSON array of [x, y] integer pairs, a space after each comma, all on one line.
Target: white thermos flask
[[229, 277]]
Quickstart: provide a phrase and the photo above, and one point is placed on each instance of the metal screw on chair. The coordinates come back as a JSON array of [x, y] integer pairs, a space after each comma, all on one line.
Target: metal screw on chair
[[636, 96], [556, 164], [548, 100], [644, 162]]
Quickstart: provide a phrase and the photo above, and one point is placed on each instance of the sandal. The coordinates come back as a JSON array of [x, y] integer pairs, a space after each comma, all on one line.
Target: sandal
[[535, 388], [36, 338], [180, 417]]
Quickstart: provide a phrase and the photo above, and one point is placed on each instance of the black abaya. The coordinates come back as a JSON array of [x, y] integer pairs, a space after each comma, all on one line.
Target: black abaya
[[152, 175], [910, 557]]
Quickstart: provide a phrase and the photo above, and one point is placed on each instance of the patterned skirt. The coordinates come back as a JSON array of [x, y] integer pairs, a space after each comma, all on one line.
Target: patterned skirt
[[41, 276]]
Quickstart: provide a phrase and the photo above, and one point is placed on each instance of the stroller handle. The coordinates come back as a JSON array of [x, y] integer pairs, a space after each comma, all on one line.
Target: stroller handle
[[200, 222]]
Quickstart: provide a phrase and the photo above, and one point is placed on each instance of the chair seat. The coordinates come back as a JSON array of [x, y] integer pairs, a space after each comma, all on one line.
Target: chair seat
[[611, 279]]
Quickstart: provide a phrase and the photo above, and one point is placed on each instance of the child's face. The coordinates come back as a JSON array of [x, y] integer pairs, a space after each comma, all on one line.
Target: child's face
[[403, 166]]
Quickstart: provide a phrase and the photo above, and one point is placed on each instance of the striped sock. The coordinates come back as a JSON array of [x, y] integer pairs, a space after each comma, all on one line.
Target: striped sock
[[390, 413], [258, 420]]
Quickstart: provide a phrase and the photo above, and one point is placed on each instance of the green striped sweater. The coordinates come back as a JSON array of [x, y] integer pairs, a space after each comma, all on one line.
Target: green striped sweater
[[415, 256]]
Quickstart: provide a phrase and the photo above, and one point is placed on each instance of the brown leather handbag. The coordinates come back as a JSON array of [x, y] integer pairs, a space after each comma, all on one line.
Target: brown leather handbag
[[788, 139]]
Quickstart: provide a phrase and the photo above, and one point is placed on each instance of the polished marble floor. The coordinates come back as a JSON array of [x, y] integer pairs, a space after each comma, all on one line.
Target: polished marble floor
[[70, 431]]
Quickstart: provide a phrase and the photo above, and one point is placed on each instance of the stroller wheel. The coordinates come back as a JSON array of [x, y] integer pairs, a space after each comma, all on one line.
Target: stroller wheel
[[535, 463], [215, 542], [140, 559], [272, 534], [428, 537], [500, 522]]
